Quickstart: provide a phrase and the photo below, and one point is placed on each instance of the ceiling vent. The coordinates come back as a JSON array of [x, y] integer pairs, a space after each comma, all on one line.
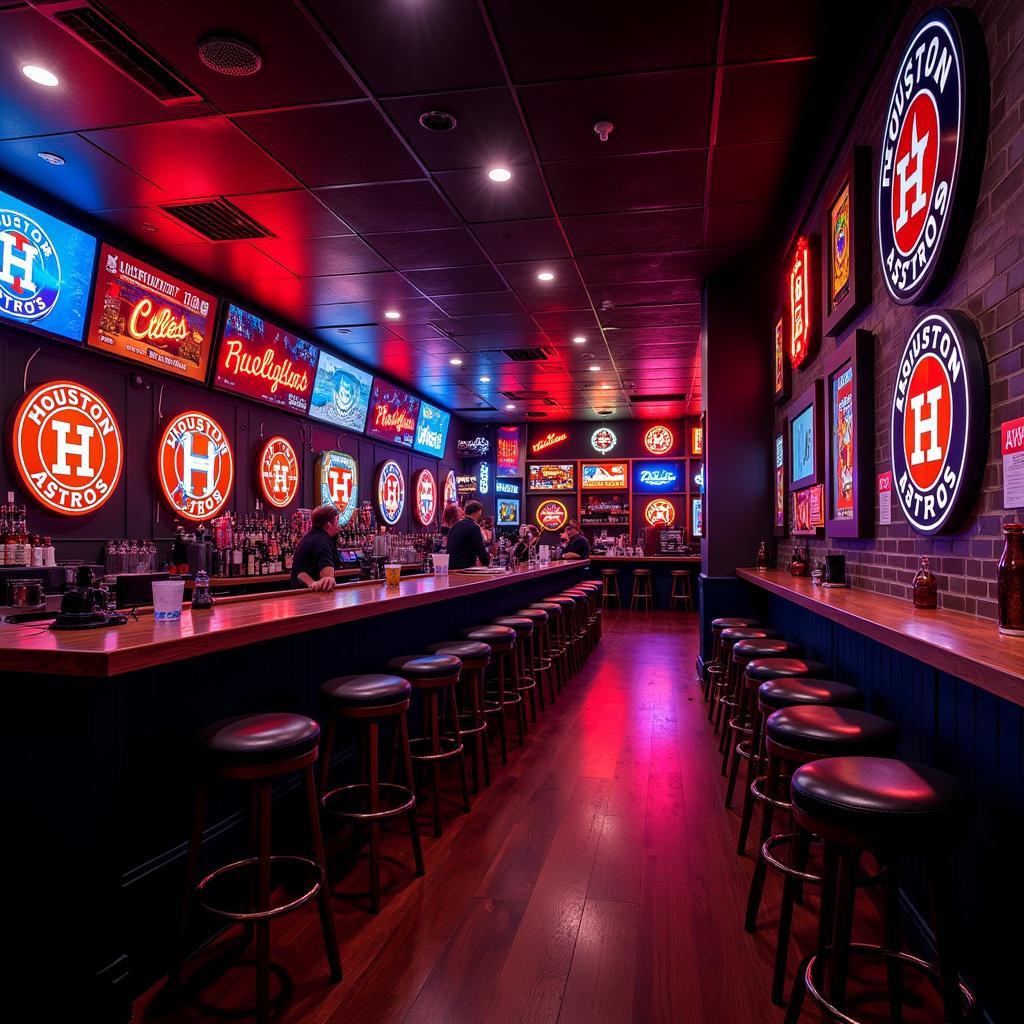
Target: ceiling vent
[[678, 396], [219, 220], [528, 355], [117, 46], [229, 56], [476, 408], [527, 396], [536, 415]]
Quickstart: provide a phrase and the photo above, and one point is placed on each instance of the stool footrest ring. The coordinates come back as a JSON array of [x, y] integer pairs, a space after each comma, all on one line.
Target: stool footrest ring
[[780, 865], [390, 793], [274, 911], [758, 794], [449, 748]]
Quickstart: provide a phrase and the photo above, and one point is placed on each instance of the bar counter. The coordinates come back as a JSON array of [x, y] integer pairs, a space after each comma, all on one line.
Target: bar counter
[[97, 740], [661, 567]]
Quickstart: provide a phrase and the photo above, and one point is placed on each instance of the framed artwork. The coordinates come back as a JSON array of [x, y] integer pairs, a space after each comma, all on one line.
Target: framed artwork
[[806, 442], [779, 523], [849, 400], [846, 254], [808, 511], [781, 373]]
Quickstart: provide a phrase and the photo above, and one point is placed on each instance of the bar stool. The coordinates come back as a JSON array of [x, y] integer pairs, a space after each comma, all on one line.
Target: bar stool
[[258, 749], [610, 579], [794, 737], [543, 661], [555, 641], [574, 628], [475, 657], [593, 591], [784, 686], [741, 723], [526, 684], [711, 667], [368, 700], [567, 625], [643, 590], [722, 701], [431, 674], [682, 584], [891, 809], [584, 619], [502, 642]]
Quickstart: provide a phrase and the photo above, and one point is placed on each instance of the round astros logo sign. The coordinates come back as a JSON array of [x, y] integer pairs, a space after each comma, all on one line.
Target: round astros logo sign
[[424, 486], [603, 440], [660, 512], [932, 144], [940, 421], [67, 448], [552, 515], [390, 492], [337, 482], [29, 267], [196, 466], [659, 440], [279, 472]]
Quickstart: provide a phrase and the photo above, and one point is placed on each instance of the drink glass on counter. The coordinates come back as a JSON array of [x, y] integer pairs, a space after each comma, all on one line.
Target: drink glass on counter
[[167, 598], [393, 574], [440, 563]]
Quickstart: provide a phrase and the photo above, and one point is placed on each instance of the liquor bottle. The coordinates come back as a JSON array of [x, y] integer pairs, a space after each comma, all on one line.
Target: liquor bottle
[[762, 557], [1010, 581], [37, 551], [926, 587], [49, 555]]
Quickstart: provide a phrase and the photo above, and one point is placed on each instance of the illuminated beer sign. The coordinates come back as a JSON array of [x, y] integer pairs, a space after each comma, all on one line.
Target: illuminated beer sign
[[659, 440], [451, 493], [390, 492], [552, 476], [603, 440], [393, 414], [195, 466], [657, 477], [802, 298], [504, 487], [67, 448], [552, 516], [478, 446], [660, 512], [424, 487], [510, 452], [432, 430], [279, 472], [697, 441], [337, 482], [264, 362], [603, 476], [552, 439], [142, 314]]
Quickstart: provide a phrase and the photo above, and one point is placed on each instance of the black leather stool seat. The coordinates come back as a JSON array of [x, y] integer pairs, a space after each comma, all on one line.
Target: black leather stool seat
[[831, 731], [521, 626], [880, 802], [426, 666], [736, 633], [548, 606], [787, 691], [561, 601], [641, 572], [498, 638], [258, 739], [764, 669], [535, 615], [728, 623], [372, 690], [464, 650], [765, 647]]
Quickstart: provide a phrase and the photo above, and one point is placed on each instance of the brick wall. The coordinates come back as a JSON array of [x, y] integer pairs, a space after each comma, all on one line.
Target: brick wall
[[988, 285]]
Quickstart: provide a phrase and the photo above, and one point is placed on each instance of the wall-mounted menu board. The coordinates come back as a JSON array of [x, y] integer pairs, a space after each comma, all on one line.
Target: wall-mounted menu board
[[265, 362], [341, 393], [145, 315], [394, 414], [552, 476], [45, 270]]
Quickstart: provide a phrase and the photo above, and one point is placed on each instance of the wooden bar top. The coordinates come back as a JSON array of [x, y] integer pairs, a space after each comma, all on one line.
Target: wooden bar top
[[961, 645], [233, 622]]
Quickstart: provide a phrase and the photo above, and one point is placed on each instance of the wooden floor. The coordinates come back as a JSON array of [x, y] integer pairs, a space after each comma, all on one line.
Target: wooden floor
[[594, 882]]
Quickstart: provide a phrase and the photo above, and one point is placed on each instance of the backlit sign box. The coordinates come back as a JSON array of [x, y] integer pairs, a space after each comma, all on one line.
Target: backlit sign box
[[510, 452], [432, 430], [657, 477], [262, 361], [341, 393], [145, 315], [506, 487], [394, 414]]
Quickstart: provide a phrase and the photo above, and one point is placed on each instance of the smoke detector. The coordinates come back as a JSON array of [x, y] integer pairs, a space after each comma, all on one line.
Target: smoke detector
[[437, 121], [228, 55], [603, 129]]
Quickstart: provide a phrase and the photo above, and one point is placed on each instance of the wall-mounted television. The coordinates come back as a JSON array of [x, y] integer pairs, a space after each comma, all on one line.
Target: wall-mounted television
[[341, 393]]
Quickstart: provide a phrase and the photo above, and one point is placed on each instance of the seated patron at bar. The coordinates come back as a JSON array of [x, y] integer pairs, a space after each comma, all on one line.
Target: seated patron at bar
[[529, 535], [574, 544], [466, 541], [316, 555], [449, 518]]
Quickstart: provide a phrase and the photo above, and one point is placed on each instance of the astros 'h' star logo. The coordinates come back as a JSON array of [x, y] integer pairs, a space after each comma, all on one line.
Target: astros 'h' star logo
[[279, 472], [196, 466]]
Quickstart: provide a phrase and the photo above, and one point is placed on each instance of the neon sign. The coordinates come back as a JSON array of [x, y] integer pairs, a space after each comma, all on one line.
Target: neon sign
[[697, 441], [659, 440], [478, 445], [279, 472], [550, 440], [800, 313], [67, 448], [656, 476], [552, 516], [337, 481], [504, 487], [485, 478], [509, 451], [425, 489], [393, 414], [660, 512], [390, 492], [196, 466], [603, 440]]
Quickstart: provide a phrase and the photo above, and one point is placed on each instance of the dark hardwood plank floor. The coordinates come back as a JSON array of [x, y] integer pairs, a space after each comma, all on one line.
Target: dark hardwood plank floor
[[595, 882]]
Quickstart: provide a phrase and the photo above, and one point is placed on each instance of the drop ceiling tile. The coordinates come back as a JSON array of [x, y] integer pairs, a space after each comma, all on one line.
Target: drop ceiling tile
[[133, 221], [650, 113], [479, 199], [758, 32], [321, 257], [506, 324], [319, 291], [479, 303], [652, 231], [524, 275], [652, 316], [762, 102], [738, 225], [643, 336], [417, 334], [413, 311], [334, 144], [754, 173], [424, 250], [499, 340], [395, 206], [568, 322], [221, 159], [228, 261], [553, 299], [292, 214], [611, 184], [640, 267], [656, 294], [456, 280], [518, 240], [361, 334]]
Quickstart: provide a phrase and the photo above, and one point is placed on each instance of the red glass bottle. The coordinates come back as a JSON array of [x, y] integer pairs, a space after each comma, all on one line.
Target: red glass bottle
[[1011, 581]]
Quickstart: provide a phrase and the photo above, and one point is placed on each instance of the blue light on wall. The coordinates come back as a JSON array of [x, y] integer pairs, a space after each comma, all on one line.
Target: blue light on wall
[[657, 477], [484, 479]]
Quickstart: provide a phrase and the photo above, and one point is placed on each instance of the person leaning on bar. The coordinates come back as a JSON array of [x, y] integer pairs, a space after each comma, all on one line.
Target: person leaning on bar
[[465, 540], [529, 536], [576, 545], [316, 555]]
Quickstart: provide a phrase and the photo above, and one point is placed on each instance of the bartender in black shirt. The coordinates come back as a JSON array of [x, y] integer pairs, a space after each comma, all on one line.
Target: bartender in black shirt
[[574, 544], [316, 555], [466, 542]]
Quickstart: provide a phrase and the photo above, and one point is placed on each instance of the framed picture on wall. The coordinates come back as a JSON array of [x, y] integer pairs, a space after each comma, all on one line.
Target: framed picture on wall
[[806, 443], [779, 523], [781, 373], [808, 511], [846, 254], [849, 399]]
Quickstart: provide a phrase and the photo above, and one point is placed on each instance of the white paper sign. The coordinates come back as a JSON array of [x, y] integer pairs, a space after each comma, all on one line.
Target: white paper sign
[[884, 499], [1013, 463]]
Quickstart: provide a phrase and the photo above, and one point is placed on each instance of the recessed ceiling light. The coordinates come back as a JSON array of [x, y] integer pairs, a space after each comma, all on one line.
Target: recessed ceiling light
[[594, 368], [456, 361], [51, 158], [392, 314], [545, 275], [40, 75], [606, 387], [485, 380], [499, 174], [579, 340], [510, 406], [228, 55]]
